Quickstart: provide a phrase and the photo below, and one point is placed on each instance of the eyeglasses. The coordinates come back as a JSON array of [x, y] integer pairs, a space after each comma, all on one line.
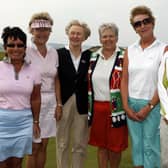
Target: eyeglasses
[[15, 45], [145, 22]]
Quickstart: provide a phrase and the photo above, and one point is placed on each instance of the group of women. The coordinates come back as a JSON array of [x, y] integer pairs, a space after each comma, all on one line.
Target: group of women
[[44, 93]]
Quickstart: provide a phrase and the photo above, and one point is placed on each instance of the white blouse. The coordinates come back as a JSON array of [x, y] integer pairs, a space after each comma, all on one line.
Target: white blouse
[[47, 66], [101, 77], [143, 68]]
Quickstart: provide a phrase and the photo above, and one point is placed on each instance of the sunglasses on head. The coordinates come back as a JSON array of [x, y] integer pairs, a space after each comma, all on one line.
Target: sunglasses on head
[[15, 45], [145, 21]]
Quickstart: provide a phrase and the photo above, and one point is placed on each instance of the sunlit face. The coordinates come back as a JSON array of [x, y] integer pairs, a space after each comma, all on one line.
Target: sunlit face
[[143, 25], [15, 49], [76, 35], [108, 39], [40, 35]]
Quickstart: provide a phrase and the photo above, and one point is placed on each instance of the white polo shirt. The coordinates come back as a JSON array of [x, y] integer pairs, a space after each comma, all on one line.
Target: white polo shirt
[[101, 76], [143, 68], [47, 66]]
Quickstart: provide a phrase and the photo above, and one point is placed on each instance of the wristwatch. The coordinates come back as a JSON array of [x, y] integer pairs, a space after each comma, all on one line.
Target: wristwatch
[[151, 105]]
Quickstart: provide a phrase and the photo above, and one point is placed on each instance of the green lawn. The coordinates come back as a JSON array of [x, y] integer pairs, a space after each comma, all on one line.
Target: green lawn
[[1, 55], [91, 161]]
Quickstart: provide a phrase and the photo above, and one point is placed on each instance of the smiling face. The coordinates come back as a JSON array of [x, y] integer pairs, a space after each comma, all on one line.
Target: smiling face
[[40, 35], [143, 25], [15, 49], [108, 39], [76, 35]]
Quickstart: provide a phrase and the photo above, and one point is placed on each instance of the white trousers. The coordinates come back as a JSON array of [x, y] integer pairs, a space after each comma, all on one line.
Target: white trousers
[[72, 128]]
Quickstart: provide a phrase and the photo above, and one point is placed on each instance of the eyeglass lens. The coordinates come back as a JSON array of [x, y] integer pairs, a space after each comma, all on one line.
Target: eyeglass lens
[[15, 45], [145, 22]]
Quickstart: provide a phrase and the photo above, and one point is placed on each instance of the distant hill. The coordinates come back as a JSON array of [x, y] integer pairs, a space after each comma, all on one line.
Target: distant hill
[[55, 45], [60, 45]]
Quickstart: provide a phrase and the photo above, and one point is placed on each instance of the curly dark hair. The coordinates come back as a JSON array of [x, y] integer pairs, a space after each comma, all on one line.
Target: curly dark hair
[[14, 32]]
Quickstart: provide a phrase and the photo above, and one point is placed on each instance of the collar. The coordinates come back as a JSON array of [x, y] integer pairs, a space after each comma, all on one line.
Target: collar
[[99, 52], [68, 48], [155, 43]]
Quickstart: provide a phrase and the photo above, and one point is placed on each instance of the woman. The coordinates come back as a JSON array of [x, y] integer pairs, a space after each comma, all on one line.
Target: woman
[[139, 90], [111, 136], [19, 100], [45, 59], [73, 68], [163, 95]]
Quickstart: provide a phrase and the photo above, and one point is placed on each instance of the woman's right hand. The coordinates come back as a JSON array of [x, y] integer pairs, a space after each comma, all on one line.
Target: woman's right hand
[[36, 130], [131, 114]]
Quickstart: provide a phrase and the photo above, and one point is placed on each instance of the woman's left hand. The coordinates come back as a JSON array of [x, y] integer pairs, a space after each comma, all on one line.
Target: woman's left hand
[[143, 113], [58, 113]]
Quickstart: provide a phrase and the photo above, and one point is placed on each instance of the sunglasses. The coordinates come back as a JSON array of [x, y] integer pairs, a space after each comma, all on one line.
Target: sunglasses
[[145, 22], [15, 45]]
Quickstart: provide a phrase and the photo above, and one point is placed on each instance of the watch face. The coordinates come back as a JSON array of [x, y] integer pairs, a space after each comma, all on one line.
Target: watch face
[[151, 105]]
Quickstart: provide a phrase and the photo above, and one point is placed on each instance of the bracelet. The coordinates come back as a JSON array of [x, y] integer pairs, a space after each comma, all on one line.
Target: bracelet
[[35, 122], [59, 104]]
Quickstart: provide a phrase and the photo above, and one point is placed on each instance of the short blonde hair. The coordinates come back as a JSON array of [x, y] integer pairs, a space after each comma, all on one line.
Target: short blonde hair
[[41, 15], [85, 27], [144, 10], [110, 26]]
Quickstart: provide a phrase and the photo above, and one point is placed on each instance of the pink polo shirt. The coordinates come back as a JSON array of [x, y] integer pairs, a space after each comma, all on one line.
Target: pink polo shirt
[[15, 94]]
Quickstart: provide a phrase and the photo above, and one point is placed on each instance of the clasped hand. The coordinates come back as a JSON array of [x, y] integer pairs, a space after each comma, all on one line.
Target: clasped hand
[[138, 116]]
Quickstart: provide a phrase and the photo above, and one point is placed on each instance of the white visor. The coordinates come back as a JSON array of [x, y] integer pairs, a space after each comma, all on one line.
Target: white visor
[[41, 23]]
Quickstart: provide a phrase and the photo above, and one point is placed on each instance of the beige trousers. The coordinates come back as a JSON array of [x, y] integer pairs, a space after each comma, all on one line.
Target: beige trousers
[[164, 143], [71, 129]]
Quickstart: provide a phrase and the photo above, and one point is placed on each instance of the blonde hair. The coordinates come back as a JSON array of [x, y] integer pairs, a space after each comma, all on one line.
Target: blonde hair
[[144, 10], [85, 27], [41, 15]]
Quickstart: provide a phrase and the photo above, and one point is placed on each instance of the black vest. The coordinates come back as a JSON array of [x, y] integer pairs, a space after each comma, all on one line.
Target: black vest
[[72, 81]]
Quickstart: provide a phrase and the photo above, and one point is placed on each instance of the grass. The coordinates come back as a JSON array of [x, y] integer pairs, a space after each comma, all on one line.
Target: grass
[[91, 161], [2, 54]]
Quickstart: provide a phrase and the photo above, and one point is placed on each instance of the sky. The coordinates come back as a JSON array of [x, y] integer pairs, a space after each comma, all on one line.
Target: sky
[[93, 12]]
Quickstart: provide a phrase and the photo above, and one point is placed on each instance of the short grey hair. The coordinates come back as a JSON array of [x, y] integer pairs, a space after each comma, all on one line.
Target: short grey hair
[[110, 26], [85, 27]]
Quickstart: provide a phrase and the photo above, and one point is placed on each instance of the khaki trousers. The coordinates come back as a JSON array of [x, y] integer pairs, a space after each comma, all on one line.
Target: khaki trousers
[[164, 143], [72, 128]]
